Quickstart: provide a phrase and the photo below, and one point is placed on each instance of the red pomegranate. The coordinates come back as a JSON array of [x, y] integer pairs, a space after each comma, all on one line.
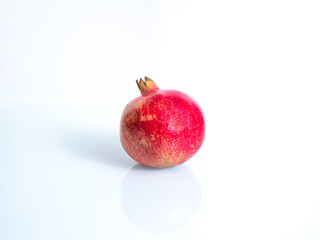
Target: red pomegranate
[[161, 128]]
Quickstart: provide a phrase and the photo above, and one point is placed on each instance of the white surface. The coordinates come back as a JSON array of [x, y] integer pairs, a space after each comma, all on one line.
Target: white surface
[[67, 70]]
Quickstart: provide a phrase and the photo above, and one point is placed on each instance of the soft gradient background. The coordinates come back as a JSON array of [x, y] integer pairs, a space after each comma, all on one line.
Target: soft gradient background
[[67, 70]]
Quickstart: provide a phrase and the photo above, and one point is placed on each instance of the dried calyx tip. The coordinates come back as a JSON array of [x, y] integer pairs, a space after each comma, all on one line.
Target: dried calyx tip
[[147, 85]]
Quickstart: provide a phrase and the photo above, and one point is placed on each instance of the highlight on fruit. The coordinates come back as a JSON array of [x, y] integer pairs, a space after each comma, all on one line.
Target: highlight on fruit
[[161, 128]]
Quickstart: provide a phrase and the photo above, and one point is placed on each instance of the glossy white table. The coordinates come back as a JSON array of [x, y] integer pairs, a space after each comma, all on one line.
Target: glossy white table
[[64, 175]]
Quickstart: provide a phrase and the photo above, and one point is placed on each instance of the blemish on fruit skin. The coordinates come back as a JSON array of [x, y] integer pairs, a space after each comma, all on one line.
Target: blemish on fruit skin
[[148, 117], [143, 142], [162, 129]]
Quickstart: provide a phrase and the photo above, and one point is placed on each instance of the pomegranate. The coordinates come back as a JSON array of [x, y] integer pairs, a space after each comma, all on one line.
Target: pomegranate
[[161, 128]]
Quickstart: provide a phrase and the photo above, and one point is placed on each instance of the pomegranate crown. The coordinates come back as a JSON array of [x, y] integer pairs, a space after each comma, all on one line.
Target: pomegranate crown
[[147, 86]]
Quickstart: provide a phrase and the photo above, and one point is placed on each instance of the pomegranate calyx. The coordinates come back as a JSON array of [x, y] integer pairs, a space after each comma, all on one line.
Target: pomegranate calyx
[[147, 86]]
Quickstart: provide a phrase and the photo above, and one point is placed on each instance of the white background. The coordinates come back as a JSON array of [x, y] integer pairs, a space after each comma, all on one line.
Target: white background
[[67, 70]]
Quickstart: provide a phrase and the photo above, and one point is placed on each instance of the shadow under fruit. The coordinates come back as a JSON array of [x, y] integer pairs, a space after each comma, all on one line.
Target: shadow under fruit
[[160, 201]]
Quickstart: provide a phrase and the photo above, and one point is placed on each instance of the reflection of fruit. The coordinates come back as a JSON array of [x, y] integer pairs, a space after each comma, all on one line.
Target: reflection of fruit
[[161, 128], [160, 201]]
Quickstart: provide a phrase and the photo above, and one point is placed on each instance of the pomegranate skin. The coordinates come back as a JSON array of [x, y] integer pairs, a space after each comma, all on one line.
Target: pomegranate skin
[[161, 128]]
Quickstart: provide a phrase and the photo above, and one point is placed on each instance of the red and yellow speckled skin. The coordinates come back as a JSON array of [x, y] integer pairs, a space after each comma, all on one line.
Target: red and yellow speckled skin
[[162, 128]]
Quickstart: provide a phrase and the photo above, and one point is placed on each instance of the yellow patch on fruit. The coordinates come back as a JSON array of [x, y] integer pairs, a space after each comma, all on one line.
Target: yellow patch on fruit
[[143, 142], [147, 117]]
